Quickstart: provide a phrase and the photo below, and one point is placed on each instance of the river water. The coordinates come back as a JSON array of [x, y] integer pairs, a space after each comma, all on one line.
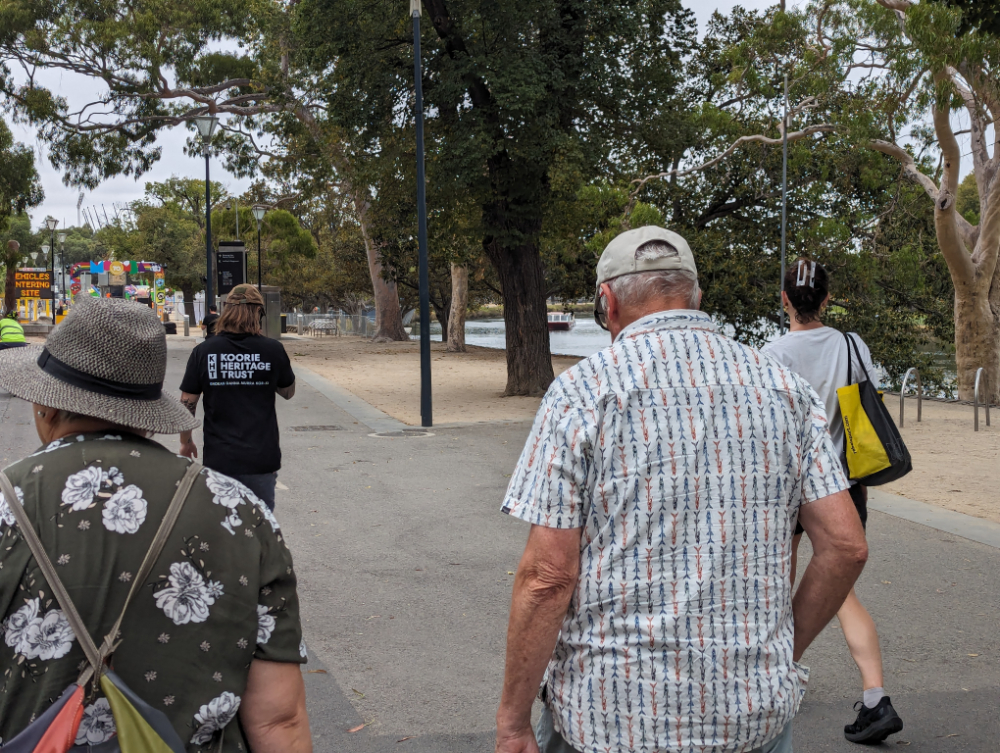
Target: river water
[[585, 339]]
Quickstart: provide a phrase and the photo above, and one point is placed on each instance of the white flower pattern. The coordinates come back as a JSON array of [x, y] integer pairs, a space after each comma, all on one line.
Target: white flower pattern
[[97, 725], [126, 510], [6, 515], [188, 596], [215, 715], [265, 625], [303, 651], [90, 485], [82, 487], [229, 493], [38, 637]]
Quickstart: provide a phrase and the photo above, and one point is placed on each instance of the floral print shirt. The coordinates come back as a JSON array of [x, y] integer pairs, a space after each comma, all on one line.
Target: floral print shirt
[[221, 594]]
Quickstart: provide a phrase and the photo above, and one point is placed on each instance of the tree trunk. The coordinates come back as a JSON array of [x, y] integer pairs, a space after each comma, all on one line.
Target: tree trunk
[[441, 312], [388, 316], [11, 259], [522, 280], [459, 305], [977, 345]]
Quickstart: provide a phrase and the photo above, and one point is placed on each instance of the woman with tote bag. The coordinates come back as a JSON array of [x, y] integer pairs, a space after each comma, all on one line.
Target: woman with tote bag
[[821, 356]]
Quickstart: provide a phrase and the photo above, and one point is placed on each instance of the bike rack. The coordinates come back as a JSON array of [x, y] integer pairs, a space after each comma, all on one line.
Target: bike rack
[[979, 378], [920, 395]]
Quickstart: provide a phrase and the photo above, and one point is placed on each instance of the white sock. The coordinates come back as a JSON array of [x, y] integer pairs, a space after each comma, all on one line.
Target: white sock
[[873, 696]]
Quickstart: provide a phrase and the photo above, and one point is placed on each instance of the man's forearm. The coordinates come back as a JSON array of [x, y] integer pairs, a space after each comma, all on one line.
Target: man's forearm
[[826, 583], [537, 611]]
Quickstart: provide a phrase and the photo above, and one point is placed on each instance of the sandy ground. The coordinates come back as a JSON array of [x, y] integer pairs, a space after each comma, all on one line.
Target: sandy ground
[[466, 387], [953, 467]]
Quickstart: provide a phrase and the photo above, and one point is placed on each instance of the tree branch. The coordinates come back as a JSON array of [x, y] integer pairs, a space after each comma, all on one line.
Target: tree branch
[[639, 183]]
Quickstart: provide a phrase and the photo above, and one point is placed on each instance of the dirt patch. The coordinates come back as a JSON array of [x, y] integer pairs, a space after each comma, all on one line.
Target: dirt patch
[[466, 387]]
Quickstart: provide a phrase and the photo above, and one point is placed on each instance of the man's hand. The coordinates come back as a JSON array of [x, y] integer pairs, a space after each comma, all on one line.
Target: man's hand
[[516, 741], [543, 589], [188, 448]]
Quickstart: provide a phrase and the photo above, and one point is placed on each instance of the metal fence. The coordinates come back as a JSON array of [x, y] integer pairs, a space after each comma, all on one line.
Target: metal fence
[[331, 324]]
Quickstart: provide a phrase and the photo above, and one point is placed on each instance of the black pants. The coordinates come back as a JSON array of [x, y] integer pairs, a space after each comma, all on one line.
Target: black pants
[[859, 495]]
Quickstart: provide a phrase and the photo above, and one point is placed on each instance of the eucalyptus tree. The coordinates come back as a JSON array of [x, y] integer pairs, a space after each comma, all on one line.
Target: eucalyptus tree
[[891, 78]]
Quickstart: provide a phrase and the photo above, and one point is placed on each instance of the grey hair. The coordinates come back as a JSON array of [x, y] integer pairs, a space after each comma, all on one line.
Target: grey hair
[[675, 284]]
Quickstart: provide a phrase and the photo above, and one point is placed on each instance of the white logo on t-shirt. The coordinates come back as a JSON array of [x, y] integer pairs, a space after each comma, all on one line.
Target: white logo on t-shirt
[[213, 366]]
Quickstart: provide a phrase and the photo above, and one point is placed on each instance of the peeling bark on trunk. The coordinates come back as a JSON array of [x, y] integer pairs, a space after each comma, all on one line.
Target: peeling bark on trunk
[[522, 280], [459, 305], [388, 315], [977, 345]]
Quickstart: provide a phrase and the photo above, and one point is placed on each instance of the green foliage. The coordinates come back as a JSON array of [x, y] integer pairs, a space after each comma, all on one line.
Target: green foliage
[[19, 186], [968, 199]]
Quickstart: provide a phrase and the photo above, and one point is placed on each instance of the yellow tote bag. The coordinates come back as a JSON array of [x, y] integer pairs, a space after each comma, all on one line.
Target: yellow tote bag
[[865, 452]]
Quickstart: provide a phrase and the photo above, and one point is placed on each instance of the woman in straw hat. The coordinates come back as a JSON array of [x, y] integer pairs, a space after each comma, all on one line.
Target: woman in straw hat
[[214, 630]]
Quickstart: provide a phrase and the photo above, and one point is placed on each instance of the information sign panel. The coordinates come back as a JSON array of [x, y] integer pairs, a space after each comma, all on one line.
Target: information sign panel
[[231, 263], [33, 283]]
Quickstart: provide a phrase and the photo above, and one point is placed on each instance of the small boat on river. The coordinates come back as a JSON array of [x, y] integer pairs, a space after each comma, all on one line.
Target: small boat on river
[[561, 322]]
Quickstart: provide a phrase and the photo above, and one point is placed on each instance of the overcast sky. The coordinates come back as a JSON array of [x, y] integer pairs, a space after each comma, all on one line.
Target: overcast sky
[[60, 200]]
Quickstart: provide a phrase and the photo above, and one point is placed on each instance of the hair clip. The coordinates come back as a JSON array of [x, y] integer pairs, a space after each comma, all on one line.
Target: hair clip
[[800, 280]]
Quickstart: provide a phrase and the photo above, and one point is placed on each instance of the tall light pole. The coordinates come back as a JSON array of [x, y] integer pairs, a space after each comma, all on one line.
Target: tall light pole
[[62, 264], [52, 223], [206, 127], [259, 210], [426, 416], [784, 205]]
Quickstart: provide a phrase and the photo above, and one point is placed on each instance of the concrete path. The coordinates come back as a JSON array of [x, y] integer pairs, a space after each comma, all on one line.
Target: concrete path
[[405, 567]]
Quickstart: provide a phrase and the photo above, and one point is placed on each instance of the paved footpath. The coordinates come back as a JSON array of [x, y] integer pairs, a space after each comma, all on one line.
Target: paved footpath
[[405, 567]]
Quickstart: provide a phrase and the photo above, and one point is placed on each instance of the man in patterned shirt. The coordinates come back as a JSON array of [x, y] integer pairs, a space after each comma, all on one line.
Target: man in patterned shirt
[[663, 478]]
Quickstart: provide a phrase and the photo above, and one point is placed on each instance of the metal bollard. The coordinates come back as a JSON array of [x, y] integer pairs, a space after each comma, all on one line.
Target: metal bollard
[[187, 325], [920, 395], [980, 373]]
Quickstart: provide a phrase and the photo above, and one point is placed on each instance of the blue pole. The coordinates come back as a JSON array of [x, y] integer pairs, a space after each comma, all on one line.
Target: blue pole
[[426, 416]]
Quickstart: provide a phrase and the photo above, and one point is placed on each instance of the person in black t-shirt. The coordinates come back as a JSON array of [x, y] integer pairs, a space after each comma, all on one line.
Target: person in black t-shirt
[[208, 323], [239, 371]]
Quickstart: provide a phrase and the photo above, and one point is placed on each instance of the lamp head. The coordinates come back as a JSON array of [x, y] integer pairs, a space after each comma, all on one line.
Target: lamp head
[[259, 210], [45, 248], [51, 223], [206, 126], [61, 237]]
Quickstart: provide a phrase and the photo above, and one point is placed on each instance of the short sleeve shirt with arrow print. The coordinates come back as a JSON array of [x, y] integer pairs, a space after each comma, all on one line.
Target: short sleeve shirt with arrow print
[[221, 594], [684, 457]]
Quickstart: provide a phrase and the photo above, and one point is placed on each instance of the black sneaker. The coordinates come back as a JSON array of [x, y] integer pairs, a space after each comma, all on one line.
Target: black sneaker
[[874, 725]]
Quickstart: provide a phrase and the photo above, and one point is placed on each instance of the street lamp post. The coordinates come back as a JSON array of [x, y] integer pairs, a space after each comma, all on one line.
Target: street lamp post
[[51, 223], [62, 263], [206, 127], [259, 210], [426, 415]]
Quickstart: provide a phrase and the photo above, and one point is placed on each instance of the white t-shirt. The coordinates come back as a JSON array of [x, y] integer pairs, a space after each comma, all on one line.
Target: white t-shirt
[[820, 357]]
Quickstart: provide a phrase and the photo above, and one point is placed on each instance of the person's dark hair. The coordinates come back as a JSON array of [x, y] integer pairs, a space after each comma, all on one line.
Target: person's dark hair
[[807, 284], [213, 309]]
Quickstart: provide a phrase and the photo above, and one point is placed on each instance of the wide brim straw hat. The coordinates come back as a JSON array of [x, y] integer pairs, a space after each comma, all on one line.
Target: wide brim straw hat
[[108, 360]]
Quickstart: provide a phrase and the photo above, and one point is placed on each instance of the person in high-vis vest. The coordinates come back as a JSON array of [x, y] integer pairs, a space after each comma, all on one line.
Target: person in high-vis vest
[[11, 332]]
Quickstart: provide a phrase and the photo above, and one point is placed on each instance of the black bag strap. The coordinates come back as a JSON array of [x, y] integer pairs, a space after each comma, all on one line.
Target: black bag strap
[[96, 657], [861, 363]]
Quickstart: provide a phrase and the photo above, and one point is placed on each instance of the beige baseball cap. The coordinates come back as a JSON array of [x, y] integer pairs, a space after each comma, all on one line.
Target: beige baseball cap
[[622, 257]]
